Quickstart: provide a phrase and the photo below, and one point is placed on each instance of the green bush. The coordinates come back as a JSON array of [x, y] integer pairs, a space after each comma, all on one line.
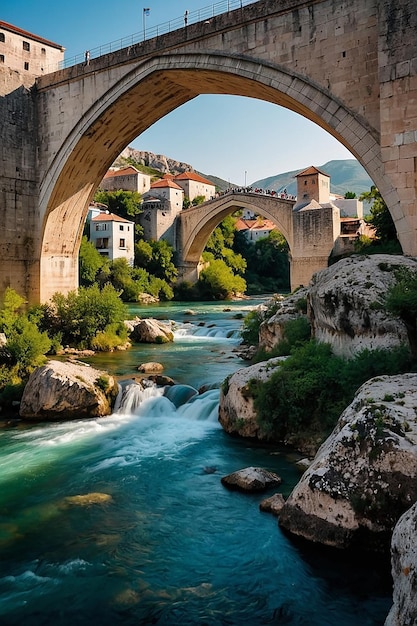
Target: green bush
[[308, 391]]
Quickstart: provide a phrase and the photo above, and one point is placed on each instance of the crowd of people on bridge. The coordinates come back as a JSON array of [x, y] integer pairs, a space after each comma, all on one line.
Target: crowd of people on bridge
[[283, 195]]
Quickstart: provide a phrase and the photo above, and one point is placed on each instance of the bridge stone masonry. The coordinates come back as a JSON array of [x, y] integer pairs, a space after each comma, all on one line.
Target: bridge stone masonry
[[350, 66]]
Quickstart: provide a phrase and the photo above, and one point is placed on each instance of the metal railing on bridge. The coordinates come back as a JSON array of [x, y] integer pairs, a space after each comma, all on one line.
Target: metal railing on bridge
[[191, 17]]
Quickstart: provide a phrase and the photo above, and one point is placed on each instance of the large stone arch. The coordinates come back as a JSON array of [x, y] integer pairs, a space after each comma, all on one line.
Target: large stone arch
[[146, 92]]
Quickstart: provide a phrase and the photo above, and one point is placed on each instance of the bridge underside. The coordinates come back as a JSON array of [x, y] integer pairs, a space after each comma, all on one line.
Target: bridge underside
[[144, 95]]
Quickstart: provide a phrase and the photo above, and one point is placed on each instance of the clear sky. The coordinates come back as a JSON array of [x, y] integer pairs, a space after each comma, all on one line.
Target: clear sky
[[231, 137]]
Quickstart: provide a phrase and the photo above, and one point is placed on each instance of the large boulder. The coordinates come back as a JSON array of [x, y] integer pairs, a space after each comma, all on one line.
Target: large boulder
[[237, 413], [344, 304], [152, 331], [67, 390], [404, 571], [271, 330], [364, 476]]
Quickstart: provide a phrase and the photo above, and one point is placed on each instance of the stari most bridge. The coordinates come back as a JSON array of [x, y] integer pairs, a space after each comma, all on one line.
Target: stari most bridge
[[310, 234], [349, 66]]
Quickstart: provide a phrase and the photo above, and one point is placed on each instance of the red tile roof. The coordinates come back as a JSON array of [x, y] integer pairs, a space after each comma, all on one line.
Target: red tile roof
[[110, 217], [311, 170], [28, 35], [164, 183], [125, 171], [193, 176]]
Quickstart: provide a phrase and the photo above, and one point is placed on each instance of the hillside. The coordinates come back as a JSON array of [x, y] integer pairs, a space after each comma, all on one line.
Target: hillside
[[345, 175]]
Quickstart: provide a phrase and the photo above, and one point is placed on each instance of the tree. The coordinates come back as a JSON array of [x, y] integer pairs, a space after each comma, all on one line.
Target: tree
[[380, 217], [126, 204], [350, 195], [90, 262], [156, 257], [401, 300], [218, 282]]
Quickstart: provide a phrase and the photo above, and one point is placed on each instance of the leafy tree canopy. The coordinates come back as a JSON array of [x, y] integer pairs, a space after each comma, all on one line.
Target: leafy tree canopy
[[126, 204]]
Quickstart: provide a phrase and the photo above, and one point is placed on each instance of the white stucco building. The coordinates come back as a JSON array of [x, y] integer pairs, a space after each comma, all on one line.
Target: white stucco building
[[113, 236]]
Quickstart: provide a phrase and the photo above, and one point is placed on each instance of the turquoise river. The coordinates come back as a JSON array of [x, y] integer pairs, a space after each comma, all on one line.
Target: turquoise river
[[124, 520]]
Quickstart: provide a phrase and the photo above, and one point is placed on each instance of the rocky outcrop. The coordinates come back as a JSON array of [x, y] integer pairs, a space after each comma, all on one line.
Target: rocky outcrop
[[271, 330], [67, 390], [156, 161], [237, 413], [344, 304], [251, 479], [404, 571], [273, 504], [151, 331], [364, 476]]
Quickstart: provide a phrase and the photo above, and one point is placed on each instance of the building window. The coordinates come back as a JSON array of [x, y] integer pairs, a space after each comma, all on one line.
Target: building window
[[2, 37], [101, 227], [1, 58], [102, 243], [43, 51], [26, 46], [122, 243], [121, 227], [26, 66]]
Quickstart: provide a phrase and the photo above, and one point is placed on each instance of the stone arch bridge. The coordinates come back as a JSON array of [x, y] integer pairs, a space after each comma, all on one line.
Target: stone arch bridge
[[350, 66], [310, 234]]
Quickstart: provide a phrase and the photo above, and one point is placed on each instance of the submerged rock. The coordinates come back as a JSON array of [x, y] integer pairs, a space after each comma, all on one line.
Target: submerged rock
[[251, 479], [364, 476], [67, 390]]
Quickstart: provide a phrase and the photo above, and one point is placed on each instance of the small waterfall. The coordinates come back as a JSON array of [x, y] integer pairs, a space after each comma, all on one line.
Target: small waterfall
[[176, 400], [180, 394], [133, 395], [204, 406], [194, 331]]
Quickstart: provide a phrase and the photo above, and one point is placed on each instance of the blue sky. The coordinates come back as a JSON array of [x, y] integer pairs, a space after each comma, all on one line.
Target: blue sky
[[226, 135]]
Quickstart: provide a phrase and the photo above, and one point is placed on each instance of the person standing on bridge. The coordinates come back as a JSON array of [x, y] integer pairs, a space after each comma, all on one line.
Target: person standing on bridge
[[186, 17], [87, 57]]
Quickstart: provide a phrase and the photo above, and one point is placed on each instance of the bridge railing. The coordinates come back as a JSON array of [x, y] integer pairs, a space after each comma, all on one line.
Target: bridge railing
[[193, 17]]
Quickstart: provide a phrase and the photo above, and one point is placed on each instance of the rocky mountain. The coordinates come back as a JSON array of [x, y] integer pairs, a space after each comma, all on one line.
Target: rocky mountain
[[156, 161], [345, 175]]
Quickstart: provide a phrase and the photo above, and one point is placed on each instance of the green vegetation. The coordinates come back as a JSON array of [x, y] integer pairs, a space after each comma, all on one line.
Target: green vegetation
[[306, 394], [79, 317], [401, 300], [386, 241]]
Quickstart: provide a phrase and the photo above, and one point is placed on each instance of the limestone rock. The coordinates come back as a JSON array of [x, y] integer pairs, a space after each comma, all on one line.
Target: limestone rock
[[151, 367], [273, 504], [290, 308], [404, 571], [237, 413], [157, 161], [364, 475], [343, 303], [152, 331], [67, 390], [251, 479]]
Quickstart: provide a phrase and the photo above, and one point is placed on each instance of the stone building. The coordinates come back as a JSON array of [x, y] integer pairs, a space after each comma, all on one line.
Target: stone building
[[161, 205], [195, 185], [126, 178], [27, 53]]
